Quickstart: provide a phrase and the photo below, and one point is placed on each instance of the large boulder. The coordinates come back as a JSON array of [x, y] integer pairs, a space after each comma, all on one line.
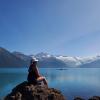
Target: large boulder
[[27, 91]]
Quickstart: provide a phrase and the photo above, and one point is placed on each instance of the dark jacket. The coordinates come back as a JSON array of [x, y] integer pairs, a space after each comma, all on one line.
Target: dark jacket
[[33, 74]]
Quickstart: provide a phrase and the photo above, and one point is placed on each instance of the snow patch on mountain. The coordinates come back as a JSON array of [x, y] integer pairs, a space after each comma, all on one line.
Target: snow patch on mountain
[[70, 61], [78, 61]]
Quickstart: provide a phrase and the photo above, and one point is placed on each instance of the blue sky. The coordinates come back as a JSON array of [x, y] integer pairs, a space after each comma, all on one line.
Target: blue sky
[[67, 27]]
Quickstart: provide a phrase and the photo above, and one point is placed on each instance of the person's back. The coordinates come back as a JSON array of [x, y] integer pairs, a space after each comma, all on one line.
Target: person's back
[[34, 77]]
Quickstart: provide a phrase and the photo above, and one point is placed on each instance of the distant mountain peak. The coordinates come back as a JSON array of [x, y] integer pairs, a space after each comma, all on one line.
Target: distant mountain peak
[[42, 55], [2, 49], [22, 56], [19, 53]]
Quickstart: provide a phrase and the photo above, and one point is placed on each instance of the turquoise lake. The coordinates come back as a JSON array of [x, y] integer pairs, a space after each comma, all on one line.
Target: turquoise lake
[[72, 82]]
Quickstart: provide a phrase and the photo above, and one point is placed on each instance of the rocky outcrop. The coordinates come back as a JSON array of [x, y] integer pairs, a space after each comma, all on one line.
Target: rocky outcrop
[[92, 98], [95, 98], [26, 91]]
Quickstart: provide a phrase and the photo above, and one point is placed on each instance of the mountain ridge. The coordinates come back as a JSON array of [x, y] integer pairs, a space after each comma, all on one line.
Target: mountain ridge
[[18, 59], [7, 59]]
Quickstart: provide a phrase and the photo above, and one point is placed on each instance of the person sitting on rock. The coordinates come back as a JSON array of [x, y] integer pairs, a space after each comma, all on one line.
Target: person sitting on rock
[[34, 76]]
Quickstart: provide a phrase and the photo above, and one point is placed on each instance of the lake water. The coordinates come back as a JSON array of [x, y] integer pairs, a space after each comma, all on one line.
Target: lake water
[[72, 82]]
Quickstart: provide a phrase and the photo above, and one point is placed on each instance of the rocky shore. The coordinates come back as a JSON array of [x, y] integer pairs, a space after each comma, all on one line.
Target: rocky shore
[[91, 98], [26, 91]]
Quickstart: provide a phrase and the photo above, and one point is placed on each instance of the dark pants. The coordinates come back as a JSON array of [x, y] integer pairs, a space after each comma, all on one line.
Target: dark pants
[[31, 78]]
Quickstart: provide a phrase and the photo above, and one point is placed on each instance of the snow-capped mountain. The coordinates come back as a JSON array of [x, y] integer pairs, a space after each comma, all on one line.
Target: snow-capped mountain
[[91, 62], [70, 61], [79, 61], [67, 61], [46, 60], [43, 55]]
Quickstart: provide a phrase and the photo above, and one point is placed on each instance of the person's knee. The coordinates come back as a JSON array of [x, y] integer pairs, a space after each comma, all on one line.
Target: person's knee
[[43, 77]]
